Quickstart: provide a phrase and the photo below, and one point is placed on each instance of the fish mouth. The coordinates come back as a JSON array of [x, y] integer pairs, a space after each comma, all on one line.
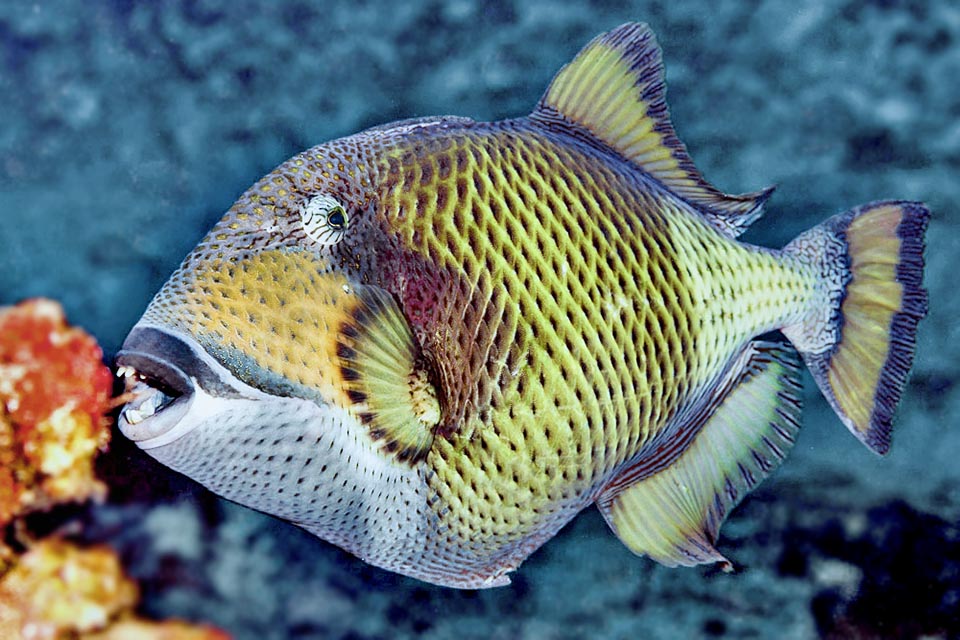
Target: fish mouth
[[154, 399], [164, 374], [159, 390]]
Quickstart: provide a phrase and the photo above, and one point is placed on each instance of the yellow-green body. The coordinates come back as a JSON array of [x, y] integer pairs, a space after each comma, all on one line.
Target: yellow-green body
[[587, 307], [433, 343]]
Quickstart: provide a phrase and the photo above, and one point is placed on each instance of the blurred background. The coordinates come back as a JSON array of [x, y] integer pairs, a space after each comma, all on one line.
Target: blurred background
[[127, 129]]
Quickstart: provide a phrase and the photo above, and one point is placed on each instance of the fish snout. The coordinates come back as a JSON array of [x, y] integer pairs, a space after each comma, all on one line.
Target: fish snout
[[164, 374]]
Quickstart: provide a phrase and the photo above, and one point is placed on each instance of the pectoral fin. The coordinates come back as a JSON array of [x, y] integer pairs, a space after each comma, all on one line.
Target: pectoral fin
[[674, 514], [385, 376]]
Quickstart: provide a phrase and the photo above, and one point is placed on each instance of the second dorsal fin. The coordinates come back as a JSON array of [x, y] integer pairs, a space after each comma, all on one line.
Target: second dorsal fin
[[615, 90]]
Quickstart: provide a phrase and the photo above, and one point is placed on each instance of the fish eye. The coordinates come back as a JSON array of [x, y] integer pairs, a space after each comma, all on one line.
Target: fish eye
[[324, 219]]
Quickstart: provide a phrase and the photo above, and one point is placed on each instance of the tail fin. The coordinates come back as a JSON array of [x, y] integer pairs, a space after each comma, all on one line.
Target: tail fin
[[859, 348]]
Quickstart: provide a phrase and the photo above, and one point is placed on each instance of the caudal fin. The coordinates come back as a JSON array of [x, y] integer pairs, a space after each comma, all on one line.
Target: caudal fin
[[860, 347]]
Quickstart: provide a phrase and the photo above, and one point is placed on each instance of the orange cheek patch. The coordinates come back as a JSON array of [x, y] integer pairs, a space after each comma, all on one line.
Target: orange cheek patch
[[282, 310], [304, 326]]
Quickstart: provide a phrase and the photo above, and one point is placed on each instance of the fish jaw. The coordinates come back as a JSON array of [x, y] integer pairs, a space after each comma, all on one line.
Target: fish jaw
[[290, 457], [297, 378], [311, 464], [174, 386]]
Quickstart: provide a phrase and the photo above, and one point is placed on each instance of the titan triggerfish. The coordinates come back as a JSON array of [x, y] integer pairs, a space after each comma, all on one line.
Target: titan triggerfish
[[434, 342]]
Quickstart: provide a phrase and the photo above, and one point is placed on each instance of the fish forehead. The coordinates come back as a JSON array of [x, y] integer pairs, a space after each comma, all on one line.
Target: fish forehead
[[256, 289], [559, 257]]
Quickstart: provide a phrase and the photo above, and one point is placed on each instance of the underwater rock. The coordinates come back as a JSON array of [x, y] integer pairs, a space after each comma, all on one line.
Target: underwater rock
[[908, 568]]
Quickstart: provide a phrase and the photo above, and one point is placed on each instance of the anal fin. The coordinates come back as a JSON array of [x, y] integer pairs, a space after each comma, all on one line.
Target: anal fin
[[746, 428]]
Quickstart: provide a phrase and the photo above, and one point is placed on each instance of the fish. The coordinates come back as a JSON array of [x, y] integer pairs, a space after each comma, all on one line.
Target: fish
[[434, 342]]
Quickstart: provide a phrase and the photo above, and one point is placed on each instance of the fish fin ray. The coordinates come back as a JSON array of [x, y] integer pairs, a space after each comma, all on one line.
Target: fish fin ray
[[860, 346], [386, 378], [614, 89], [673, 514]]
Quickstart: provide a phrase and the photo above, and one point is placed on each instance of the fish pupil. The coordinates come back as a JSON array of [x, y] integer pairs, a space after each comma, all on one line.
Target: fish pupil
[[337, 219]]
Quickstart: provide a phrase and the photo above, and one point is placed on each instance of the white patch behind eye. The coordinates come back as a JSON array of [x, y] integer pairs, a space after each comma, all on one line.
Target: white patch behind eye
[[324, 220]]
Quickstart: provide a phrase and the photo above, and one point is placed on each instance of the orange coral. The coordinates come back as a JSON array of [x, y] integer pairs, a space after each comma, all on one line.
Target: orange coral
[[56, 587], [167, 630], [58, 590], [54, 394], [53, 364]]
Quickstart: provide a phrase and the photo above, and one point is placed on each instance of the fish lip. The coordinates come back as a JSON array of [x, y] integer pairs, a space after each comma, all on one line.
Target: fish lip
[[150, 432], [156, 371], [165, 372], [165, 352], [154, 375]]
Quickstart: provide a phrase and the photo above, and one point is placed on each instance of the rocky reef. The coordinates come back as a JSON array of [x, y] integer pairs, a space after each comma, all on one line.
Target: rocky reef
[[55, 394]]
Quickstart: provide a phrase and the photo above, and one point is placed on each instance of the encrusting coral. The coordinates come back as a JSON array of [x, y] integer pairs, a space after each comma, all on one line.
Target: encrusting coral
[[55, 394]]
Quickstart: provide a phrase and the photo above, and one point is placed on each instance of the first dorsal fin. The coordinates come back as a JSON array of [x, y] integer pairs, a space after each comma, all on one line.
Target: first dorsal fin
[[615, 90]]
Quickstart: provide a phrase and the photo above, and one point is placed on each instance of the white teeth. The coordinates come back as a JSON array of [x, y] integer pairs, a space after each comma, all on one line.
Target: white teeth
[[124, 371], [151, 401], [144, 411]]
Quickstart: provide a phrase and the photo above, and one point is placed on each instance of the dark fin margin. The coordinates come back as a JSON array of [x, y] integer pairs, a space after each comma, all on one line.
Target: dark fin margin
[[744, 430], [390, 385], [872, 258], [614, 92]]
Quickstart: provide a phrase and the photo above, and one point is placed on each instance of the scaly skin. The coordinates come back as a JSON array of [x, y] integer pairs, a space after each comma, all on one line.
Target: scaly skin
[[434, 342], [581, 309], [567, 307]]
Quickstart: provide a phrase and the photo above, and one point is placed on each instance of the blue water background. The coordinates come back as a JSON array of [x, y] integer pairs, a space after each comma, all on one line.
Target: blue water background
[[127, 128]]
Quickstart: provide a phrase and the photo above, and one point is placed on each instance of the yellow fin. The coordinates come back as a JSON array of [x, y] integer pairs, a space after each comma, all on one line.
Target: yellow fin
[[860, 352], [614, 89], [387, 380], [674, 514]]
